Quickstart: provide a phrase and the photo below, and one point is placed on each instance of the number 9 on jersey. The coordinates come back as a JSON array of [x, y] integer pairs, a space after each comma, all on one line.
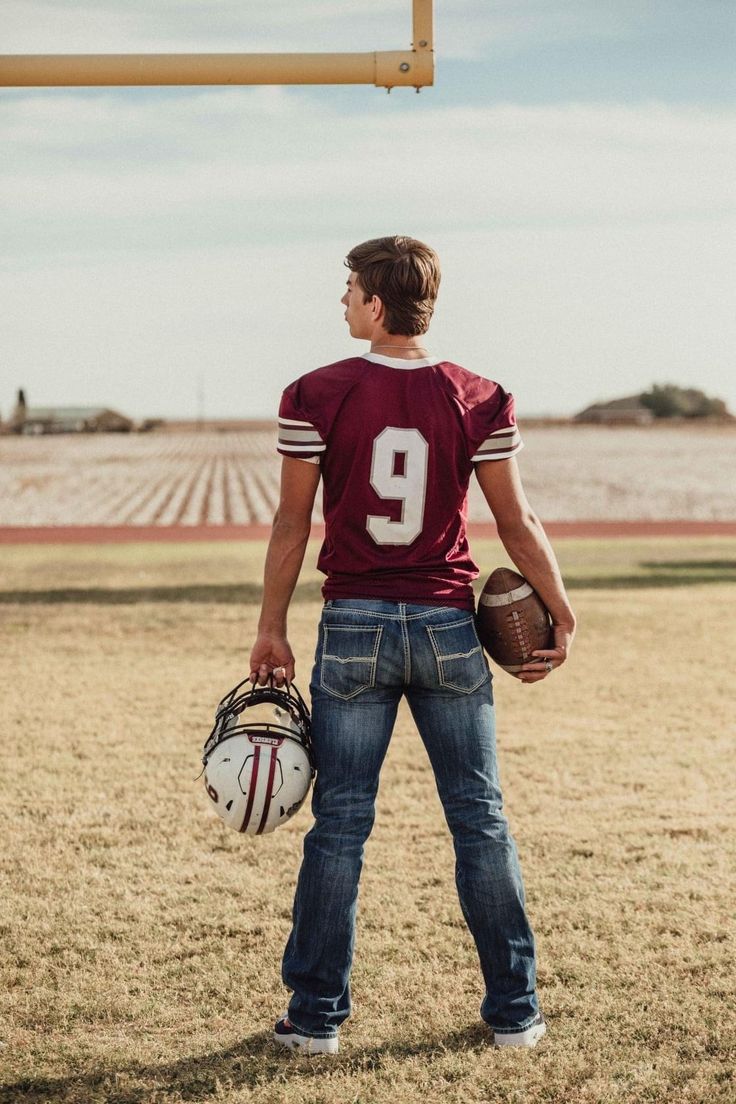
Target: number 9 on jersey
[[399, 473]]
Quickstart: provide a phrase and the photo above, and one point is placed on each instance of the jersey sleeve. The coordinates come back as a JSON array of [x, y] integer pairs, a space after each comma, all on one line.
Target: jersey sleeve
[[493, 430], [299, 436]]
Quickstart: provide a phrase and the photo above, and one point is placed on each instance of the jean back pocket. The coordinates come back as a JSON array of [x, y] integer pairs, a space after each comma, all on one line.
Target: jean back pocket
[[349, 658], [461, 665]]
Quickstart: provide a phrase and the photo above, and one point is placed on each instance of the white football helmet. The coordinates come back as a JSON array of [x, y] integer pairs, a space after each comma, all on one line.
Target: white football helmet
[[258, 768]]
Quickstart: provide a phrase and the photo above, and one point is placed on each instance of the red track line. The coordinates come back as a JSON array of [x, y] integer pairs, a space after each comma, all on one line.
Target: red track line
[[119, 534]]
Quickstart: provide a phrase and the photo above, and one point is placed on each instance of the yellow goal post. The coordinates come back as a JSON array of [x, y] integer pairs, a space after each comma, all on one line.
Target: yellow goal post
[[382, 68]]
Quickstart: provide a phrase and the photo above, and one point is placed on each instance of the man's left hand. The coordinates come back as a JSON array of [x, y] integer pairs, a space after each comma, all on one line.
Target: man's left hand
[[548, 659]]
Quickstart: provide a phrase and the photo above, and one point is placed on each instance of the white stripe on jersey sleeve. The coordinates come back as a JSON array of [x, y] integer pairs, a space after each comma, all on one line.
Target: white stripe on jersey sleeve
[[501, 444], [301, 448], [301, 437]]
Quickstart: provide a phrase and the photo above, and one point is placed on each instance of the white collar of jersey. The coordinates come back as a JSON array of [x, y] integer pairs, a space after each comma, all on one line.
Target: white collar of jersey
[[400, 362]]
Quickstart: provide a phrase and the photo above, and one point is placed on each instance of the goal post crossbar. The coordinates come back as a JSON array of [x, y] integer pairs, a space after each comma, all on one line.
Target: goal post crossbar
[[383, 68]]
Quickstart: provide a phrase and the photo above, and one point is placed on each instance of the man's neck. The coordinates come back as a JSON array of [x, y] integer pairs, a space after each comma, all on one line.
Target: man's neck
[[398, 347]]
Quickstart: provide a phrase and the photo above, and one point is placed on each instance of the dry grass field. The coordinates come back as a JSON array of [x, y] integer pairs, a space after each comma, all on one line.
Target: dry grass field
[[141, 940]]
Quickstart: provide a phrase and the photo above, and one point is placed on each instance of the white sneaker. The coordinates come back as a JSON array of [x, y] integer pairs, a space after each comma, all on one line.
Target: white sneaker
[[286, 1035], [529, 1037]]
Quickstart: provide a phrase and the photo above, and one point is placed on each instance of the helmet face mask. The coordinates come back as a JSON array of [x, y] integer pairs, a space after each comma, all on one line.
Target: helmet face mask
[[258, 760]]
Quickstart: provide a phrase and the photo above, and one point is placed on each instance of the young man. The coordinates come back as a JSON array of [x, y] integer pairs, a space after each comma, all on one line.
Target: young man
[[395, 435]]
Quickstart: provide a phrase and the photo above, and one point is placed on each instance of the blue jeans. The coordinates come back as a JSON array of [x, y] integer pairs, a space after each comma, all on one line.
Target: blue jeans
[[369, 653]]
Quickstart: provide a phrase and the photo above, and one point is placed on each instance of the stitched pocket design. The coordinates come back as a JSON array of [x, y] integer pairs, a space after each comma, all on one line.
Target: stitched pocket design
[[349, 658], [461, 665]]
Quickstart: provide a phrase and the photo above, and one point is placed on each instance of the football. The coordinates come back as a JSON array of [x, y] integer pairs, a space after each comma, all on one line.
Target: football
[[512, 620]]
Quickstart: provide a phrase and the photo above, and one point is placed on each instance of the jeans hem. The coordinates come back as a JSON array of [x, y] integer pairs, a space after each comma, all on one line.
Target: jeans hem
[[514, 1030], [311, 1034]]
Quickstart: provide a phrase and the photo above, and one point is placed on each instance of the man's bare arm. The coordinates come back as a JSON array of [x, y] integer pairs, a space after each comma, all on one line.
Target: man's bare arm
[[526, 542], [289, 536]]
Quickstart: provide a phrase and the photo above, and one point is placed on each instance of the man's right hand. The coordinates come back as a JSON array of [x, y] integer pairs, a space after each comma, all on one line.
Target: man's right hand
[[271, 657]]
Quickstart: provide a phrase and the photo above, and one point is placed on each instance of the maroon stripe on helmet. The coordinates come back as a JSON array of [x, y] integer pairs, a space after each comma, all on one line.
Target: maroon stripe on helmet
[[251, 789], [269, 788]]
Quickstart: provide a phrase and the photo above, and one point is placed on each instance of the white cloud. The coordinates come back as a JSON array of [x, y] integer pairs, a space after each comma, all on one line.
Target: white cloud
[[561, 315], [463, 28], [237, 164], [152, 239], [71, 26], [566, 315]]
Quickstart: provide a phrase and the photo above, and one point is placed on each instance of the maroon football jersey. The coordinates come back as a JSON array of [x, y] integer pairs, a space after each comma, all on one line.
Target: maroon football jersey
[[396, 441]]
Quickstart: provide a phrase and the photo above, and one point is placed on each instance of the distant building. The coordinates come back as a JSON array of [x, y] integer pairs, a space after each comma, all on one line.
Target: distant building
[[66, 419], [628, 411]]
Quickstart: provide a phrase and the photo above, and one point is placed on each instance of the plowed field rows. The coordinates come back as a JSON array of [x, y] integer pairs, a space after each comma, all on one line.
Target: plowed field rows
[[211, 478], [167, 479]]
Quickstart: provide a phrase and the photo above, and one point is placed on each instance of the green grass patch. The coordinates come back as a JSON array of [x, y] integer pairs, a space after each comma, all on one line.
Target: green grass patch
[[645, 562], [225, 572]]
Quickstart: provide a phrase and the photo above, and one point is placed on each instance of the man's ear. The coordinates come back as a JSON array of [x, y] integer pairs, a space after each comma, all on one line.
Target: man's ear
[[376, 308]]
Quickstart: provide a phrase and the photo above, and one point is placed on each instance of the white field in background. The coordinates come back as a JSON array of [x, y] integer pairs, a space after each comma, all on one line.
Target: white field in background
[[210, 478]]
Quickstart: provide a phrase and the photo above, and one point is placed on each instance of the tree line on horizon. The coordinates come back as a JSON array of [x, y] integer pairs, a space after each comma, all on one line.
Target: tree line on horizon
[[669, 401]]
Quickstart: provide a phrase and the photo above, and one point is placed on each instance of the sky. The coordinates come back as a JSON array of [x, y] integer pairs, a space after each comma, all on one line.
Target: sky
[[178, 252]]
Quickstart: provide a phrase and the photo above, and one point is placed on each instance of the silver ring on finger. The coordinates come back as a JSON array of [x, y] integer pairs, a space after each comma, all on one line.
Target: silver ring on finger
[[548, 665]]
